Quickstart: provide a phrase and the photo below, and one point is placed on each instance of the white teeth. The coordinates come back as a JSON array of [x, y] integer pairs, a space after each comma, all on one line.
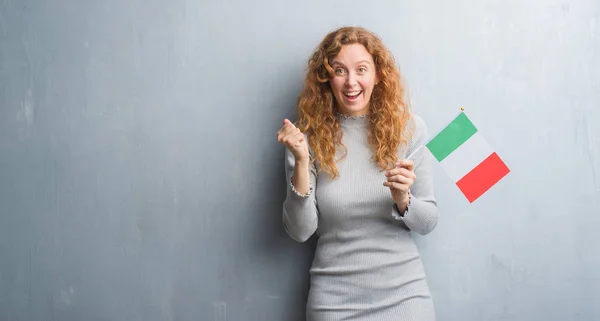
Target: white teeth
[[352, 93]]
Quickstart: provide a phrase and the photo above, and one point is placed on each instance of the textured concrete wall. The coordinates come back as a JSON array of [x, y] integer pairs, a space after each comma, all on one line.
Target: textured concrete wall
[[140, 178]]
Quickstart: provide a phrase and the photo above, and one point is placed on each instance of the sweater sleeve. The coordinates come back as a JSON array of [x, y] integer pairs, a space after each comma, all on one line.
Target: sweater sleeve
[[422, 213], [299, 210]]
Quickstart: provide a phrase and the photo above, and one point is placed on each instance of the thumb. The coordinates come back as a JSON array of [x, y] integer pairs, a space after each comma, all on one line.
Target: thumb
[[288, 122]]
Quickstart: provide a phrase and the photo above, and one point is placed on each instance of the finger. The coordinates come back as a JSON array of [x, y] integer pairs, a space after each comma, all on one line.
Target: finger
[[290, 129], [284, 139], [397, 186], [291, 141], [400, 179], [406, 163], [287, 123], [283, 133], [289, 134], [401, 172], [293, 136]]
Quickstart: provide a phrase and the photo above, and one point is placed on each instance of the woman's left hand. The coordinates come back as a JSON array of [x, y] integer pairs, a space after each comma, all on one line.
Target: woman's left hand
[[399, 180]]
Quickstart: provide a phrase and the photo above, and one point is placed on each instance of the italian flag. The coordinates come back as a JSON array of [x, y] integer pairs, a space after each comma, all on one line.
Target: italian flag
[[467, 157]]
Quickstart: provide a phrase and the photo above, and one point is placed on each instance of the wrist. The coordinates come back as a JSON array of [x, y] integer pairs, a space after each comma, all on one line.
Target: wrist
[[301, 162], [402, 205]]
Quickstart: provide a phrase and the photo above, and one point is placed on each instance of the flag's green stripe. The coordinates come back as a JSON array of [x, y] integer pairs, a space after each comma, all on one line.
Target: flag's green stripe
[[451, 137]]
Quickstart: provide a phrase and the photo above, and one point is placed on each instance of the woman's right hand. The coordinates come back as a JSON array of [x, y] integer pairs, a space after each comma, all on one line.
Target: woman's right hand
[[292, 138]]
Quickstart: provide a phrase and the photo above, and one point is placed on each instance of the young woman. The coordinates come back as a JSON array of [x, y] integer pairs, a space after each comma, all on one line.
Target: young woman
[[350, 182]]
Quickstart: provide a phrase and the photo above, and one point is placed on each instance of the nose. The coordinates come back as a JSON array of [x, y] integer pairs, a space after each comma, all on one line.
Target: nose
[[350, 80]]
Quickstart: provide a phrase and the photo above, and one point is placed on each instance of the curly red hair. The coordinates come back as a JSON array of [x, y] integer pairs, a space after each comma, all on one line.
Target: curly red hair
[[388, 111]]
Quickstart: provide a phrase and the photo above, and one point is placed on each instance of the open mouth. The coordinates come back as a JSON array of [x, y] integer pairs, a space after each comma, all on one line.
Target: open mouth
[[353, 94]]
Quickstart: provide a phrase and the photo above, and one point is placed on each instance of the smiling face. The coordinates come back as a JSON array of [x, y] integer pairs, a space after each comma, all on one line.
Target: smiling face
[[353, 79]]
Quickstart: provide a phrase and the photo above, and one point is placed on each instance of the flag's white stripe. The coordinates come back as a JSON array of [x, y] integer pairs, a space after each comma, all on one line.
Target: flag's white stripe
[[467, 156]]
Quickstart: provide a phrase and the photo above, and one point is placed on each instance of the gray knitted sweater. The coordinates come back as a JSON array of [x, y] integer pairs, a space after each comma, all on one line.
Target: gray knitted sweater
[[366, 265]]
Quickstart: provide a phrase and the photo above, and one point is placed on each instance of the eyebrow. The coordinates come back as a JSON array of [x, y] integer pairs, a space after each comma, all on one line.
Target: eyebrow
[[360, 62]]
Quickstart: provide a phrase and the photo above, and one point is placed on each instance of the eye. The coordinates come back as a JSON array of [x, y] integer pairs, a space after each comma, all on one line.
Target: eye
[[362, 69], [339, 71]]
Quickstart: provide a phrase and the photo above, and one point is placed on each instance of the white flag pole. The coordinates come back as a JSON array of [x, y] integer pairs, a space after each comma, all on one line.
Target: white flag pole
[[414, 152]]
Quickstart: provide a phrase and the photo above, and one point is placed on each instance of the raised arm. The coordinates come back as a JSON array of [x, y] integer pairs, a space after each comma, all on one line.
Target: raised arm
[[299, 208]]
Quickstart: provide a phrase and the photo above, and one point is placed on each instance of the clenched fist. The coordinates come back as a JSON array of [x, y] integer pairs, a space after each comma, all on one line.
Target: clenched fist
[[292, 138]]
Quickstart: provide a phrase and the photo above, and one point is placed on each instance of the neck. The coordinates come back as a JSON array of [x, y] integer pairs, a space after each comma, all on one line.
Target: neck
[[361, 113], [352, 116], [353, 121]]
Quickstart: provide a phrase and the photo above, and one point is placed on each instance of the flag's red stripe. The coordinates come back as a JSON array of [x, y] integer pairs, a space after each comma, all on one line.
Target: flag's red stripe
[[483, 177]]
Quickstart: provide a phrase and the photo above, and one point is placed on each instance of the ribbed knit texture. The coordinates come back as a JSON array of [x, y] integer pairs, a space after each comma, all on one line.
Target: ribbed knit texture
[[366, 265]]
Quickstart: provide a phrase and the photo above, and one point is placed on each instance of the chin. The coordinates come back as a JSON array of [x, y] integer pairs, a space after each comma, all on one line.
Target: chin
[[353, 107]]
